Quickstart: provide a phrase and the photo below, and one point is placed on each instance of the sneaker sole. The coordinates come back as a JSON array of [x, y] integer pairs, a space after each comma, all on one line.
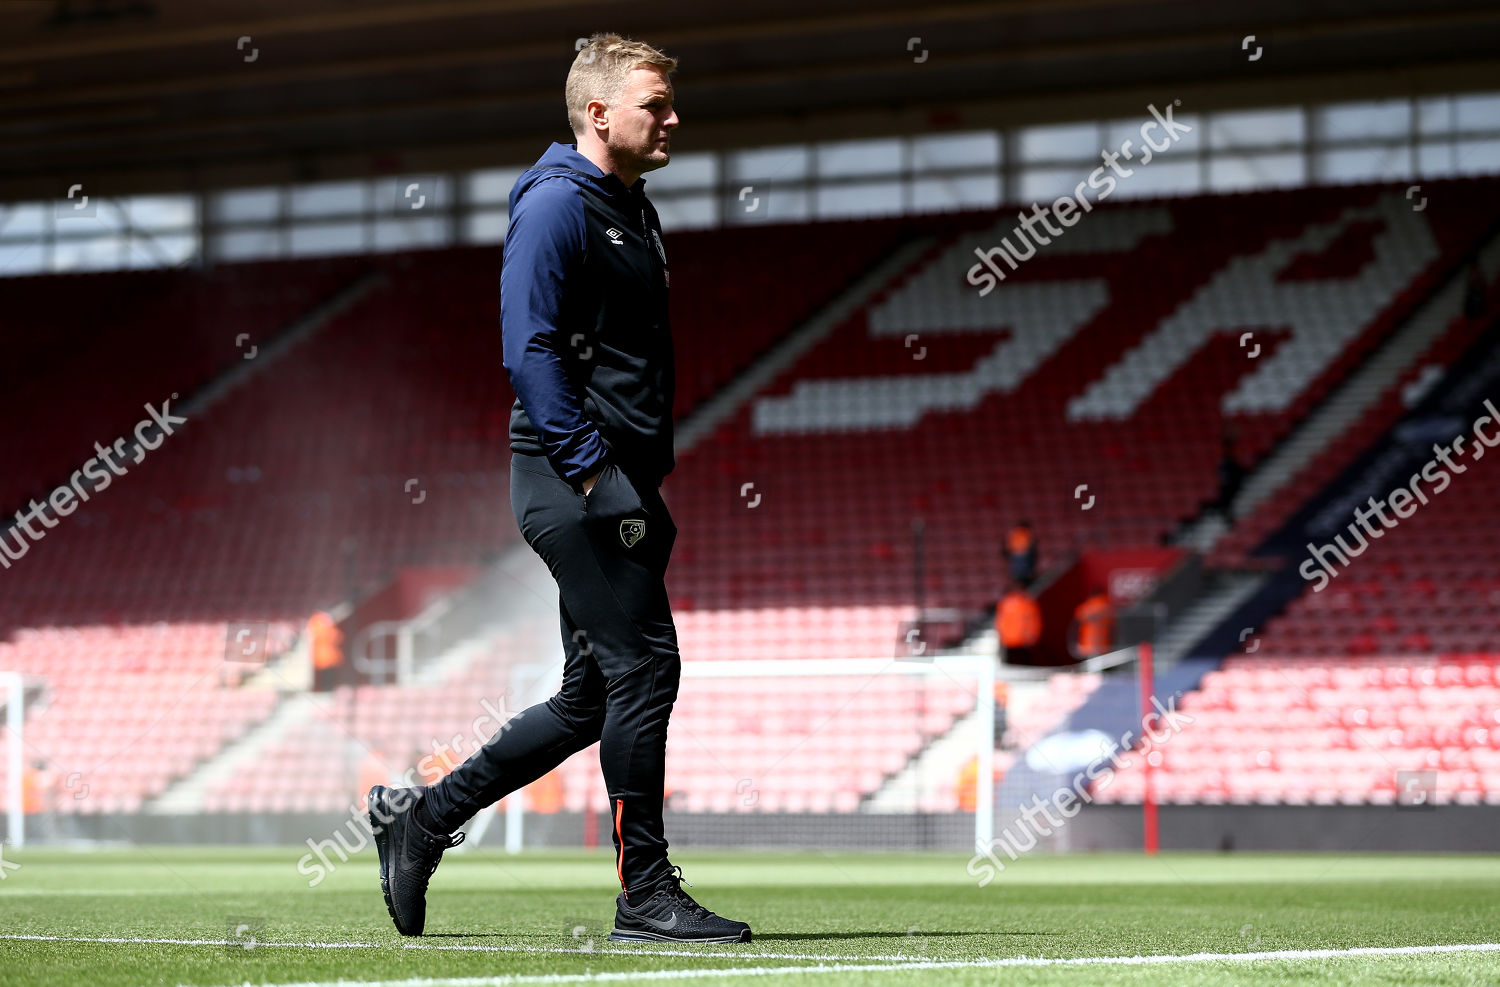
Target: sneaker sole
[[634, 935], [382, 850]]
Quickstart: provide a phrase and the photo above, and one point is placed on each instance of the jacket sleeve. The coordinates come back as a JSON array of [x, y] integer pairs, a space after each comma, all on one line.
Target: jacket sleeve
[[544, 243]]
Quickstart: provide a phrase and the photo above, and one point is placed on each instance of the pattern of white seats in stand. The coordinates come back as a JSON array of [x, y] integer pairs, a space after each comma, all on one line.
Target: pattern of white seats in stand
[[1041, 316], [1323, 316]]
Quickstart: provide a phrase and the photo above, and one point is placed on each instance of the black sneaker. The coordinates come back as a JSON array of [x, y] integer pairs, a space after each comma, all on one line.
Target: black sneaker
[[408, 855], [671, 915]]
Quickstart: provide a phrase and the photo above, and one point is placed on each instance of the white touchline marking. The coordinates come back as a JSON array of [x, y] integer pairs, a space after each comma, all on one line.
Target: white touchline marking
[[845, 964], [763, 971], [696, 952]]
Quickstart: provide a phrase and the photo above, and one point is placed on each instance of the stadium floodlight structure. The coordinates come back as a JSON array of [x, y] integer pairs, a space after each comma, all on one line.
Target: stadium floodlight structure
[[821, 752], [13, 689]]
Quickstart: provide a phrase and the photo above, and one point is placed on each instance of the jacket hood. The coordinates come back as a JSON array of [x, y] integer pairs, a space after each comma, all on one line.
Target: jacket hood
[[558, 160]]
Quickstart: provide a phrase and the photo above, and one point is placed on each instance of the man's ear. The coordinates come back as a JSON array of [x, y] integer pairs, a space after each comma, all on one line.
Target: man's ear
[[597, 117]]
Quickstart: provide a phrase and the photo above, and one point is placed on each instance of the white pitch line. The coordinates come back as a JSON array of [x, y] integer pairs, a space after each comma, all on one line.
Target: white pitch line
[[695, 952], [1019, 961], [842, 966]]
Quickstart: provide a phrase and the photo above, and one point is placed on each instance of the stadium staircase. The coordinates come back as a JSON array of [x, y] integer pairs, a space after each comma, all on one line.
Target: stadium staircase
[[1034, 706], [1227, 591], [189, 794]]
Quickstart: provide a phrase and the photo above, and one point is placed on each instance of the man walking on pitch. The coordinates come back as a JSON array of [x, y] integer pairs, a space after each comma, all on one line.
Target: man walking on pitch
[[588, 346]]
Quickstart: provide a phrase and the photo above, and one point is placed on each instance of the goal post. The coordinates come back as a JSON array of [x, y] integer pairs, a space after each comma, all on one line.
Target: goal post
[[13, 691], [886, 753]]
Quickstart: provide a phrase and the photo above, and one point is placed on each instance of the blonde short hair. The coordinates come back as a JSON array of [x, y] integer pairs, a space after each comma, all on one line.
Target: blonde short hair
[[600, 70]]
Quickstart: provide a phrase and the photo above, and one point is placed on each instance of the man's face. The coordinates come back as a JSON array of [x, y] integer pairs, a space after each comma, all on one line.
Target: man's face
[[642, 120]]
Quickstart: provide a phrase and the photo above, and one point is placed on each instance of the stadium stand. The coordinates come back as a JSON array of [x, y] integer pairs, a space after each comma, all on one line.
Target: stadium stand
[[405, 384], [319, 450], [1330, 730], [112, 340], [973, 412], [930, 400], [1458, 334], [1428, 586], [127, 710]]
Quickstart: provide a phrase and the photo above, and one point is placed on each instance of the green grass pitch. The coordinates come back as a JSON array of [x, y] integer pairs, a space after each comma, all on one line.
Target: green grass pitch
[[237, 916]]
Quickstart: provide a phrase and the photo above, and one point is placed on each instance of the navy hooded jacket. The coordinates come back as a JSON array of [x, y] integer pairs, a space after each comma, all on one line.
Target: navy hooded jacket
[[583, 314]]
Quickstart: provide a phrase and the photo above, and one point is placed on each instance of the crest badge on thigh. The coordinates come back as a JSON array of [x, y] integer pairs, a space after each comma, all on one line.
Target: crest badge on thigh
[[632, 530]]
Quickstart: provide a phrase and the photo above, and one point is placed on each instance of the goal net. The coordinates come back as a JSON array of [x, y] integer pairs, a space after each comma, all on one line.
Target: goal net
[[869, 753]]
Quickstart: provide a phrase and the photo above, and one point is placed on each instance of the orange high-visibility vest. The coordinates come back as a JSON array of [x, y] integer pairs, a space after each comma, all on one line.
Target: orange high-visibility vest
[[33, 787], [1096, 625], [327, 641], [1018, 621], [968, 785]]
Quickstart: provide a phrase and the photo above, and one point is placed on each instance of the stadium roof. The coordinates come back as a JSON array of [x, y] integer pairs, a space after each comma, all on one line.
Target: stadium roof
[[157, 95]]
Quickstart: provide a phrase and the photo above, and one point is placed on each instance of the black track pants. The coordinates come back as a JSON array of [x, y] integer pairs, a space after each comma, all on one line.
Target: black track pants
[[608, 552]]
